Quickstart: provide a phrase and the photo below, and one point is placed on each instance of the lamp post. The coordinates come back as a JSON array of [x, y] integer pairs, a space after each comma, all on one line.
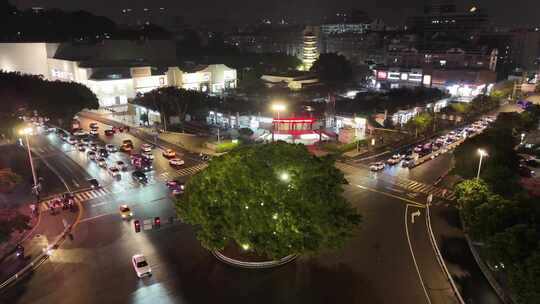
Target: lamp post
[[277, 107], [482, 153], [26, 132]]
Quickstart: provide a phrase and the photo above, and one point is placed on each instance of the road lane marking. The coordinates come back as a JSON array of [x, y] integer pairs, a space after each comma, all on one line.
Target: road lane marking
[[392, 195], [412, 254], [94, 217]]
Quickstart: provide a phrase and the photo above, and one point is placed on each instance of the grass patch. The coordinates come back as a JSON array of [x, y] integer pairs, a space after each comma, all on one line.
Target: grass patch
[[226, 146], [340, 148]]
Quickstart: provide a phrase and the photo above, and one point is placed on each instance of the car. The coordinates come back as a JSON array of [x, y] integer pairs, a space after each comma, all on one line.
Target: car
[[102, 162], [114, 171], [126, 148], [125, 212], [169, 153], [109, 132], [94, 183], [175, 162], [139, 176], [408, 161], [121, 165], [146, 147], [377, 166], [93, 132], [172, 183], [141, 266], [81, 147], [418, 149], [93, 125], [396, 158], [93, 146], [79, 132], [102, 152], [178, 189], [111, 148], [72, 140], [85, 140], [91, 155], [147, 155], [67, 196]]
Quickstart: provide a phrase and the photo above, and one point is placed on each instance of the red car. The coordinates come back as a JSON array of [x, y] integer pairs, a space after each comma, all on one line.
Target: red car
[[109, 132]]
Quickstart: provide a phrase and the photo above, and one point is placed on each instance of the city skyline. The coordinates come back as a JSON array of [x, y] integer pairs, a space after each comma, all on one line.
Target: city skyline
[[393, 12]]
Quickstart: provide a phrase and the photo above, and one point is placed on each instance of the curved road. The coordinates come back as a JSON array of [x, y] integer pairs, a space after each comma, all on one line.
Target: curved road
[[390, 259]]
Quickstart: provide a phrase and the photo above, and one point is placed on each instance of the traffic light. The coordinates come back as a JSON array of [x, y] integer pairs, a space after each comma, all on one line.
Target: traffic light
[[157, 222], [137, 225]]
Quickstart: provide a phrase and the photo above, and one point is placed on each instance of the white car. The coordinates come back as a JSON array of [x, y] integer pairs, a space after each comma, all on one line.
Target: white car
[[396, 158], [94, 132], [376, 166], [102, 162], [141, 266], [121, 165], [79, 132], [111, 148], [176, 162], [72, 140], [114, 171], [146, 148]]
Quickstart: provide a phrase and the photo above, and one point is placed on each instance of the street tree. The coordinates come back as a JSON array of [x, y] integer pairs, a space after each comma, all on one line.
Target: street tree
[[275, 199], [333, 70], [420, 123]]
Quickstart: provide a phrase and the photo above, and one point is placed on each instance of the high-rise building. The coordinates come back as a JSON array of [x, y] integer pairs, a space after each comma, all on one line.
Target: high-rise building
[[311, 47], [443, 21]]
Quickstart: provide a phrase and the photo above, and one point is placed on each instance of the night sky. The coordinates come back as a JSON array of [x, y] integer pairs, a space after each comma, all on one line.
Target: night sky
[[503, 12]]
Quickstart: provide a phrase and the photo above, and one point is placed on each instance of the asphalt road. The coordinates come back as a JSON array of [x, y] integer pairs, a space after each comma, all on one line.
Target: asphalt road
[[390, 259]]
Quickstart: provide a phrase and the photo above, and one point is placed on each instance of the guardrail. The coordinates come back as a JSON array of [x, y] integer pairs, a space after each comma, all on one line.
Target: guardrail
[[439, 257], [39, 260], [253, 265]]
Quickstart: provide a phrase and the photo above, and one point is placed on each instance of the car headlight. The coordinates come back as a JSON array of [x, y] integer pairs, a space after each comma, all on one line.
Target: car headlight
[[131, 214]]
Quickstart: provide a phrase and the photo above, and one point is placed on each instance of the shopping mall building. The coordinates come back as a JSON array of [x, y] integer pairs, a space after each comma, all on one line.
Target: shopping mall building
[[115, 70]]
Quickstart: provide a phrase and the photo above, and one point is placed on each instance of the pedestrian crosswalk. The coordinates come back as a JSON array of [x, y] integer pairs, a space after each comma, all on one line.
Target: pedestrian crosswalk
[[418, 187], [191, 170], [79, 197]]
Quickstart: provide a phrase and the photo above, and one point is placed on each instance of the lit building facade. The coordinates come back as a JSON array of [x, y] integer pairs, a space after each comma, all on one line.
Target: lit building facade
[[213, 79]]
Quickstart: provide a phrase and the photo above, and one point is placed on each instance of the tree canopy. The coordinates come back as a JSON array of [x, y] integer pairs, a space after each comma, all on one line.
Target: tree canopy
[[274, 199], [510, 231], [58, 100], [333, 70]]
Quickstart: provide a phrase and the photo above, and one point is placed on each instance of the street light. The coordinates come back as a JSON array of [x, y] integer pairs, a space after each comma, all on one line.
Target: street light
[[483, 154], [26, 132], [277, 107], [522, 138], [284, 176]]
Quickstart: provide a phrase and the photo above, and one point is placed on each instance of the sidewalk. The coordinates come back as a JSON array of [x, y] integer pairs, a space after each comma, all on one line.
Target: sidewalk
[[46, 229]]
